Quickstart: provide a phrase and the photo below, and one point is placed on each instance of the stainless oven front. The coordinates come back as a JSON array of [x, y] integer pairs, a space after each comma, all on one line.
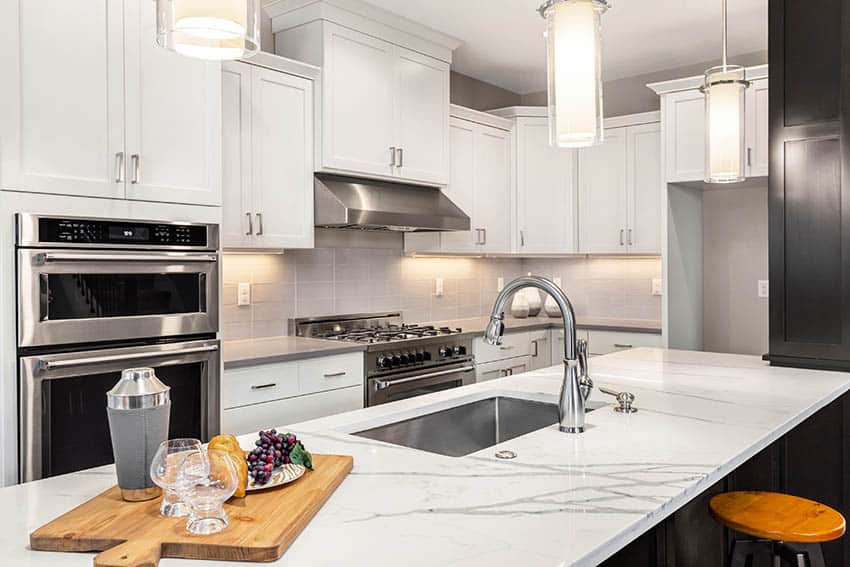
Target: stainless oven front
[[70, 296], [63, 425], [402, 385]]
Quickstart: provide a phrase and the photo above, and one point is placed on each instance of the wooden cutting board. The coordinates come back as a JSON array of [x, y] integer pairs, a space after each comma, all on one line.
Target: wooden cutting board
[[133, 534]]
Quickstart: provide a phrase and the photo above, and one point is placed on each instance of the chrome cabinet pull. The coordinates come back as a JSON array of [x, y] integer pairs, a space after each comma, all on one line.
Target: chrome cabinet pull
[[119, 167], [621, 237], [49, 257], [484, 236], [507, 347], [617, 345], [522, 238], [392, 156], [749, 157], [250, 224], [400, 157], [630, 237], [260, 222], [136, 163], [384, 384], [264, 386], [478, 236], [536, 348], [335, 374]]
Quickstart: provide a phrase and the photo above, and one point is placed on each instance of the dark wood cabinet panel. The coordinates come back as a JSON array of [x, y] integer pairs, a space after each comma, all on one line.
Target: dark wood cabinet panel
[[812, 32]]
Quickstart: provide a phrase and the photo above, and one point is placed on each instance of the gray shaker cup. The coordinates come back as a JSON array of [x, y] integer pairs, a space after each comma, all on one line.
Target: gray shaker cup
[[139, 408]]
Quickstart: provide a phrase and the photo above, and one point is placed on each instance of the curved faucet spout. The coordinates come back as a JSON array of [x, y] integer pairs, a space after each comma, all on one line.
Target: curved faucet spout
[[571, 401]]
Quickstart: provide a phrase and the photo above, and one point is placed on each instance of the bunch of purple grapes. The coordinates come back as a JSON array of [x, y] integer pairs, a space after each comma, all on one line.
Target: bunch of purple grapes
[[272, 450]]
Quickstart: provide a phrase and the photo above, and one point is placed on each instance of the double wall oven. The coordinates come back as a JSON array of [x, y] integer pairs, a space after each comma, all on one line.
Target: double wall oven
[[96, 296]]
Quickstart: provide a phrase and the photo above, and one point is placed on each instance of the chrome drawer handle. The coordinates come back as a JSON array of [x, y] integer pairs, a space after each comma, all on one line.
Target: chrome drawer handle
[[49, 257], [264, 386], [136, 161], [119, 167], [617, 345], [260, 222], [250, 224], [335, 374], [54, 364], [384, 384], [508, 347], [392, 156]]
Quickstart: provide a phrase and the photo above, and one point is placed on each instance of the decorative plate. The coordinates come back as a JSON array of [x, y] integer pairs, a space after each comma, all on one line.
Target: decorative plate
[[280, 475]]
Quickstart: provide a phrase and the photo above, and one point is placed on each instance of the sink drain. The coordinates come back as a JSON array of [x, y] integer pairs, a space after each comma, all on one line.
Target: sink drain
[[505, 455]]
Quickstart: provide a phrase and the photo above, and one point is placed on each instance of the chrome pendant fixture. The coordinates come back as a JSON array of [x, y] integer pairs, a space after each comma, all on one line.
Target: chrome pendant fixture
[[574, 69], [724, 89], [209, 29]]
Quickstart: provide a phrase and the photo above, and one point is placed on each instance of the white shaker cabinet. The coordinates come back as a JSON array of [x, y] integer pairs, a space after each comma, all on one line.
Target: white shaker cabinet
[[620, 190], [385, 106], [480, 184], [173, 117], [62, 99], [683, 107], [92, 106], [267, 138], [602, 194]]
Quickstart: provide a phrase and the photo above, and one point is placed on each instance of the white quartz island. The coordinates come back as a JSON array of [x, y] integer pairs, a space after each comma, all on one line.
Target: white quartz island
[[565, 499]]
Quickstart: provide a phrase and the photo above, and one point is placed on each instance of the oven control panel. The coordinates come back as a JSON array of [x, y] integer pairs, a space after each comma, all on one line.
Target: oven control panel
[[120, 233], [411, 357]]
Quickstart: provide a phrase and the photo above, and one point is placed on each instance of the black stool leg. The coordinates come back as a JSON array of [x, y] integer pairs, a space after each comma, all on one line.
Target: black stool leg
[[743, 552], [799, 554]]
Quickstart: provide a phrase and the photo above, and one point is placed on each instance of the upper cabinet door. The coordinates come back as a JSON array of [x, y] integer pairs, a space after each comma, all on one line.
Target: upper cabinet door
[[358, 85], [173, 118], [602, 195], [684, 115], [492, 162], [236, 226], [546, 191], [758, 145], [282, 147], [643, 235], [461, 187], [61, 101], [422, 117]]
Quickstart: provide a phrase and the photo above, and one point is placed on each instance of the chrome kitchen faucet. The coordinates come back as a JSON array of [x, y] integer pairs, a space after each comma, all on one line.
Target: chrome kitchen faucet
[[576, 386]]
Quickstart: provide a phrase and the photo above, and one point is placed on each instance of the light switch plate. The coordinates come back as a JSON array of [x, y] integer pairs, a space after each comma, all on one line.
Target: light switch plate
[[764, 288], [243, 294], [657, 286], [438, 287]]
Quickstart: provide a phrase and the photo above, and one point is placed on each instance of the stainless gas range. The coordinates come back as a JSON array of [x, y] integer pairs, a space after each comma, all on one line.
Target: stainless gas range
[[402, 361]]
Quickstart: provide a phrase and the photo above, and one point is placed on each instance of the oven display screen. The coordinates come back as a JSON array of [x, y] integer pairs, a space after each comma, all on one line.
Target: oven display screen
[[129, 233]]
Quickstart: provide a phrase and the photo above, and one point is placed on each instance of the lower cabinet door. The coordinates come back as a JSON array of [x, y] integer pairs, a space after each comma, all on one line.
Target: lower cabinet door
[[605, 342], [250, 419]]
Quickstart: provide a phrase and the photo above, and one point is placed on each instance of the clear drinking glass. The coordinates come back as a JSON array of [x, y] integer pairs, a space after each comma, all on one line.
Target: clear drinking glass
[[165, 473], [208, 480]]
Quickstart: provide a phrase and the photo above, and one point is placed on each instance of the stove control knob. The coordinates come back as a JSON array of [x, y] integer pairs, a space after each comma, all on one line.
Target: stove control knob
[[460, 350], [426, 355], [384, 361], [396, 359], [405, 358], [420, 356], [445, 351]]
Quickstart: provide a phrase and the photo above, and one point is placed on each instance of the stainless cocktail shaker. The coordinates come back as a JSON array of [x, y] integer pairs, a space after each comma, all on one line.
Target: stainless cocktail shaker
[[139, 408]]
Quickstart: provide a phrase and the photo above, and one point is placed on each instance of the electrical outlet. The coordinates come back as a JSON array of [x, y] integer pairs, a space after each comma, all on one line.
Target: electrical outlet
[[657, 286], [438, 287], [500, 283], [243, 294], [764, 288]]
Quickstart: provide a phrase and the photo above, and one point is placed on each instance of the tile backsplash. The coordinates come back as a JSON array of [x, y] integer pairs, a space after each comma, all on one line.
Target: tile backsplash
[[327, 281]]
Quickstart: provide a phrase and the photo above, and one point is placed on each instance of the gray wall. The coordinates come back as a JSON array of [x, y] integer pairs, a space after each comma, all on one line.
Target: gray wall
[[735, 248], [479, 95], [630, 95]]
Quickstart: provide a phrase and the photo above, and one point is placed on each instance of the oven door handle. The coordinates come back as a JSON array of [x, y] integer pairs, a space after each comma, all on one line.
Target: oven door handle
[[49, 257], [384, 384], [47, 365]]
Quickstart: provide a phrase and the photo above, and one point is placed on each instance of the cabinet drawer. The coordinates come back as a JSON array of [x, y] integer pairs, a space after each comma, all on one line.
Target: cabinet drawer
[[330, 373], [513, 344], [256, 384], [604, 342], [250, 419], [501, 368]]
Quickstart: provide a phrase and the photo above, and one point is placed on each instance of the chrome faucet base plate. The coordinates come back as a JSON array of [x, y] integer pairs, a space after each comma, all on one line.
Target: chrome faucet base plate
[[571, 429]]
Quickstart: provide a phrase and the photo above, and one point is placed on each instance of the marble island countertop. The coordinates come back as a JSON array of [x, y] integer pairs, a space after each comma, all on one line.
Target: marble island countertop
[[565, 500], [247, 352]]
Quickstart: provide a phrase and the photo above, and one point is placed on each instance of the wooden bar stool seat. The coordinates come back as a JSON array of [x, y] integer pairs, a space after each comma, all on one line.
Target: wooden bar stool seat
[[777, 520]]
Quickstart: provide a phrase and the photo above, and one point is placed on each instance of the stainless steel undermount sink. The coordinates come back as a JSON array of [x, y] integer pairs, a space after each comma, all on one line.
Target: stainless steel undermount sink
[[467, 428]]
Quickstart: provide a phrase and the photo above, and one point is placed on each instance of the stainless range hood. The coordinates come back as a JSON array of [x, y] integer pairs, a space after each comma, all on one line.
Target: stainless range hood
[[351, 202]]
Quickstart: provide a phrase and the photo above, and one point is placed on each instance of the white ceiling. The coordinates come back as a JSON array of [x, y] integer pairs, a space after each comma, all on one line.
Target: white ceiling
[[503, 41]]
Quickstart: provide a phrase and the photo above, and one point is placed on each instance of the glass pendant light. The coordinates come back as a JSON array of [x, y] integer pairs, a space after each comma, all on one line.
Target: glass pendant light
[[209, 29], [725, 87], [573, 42]]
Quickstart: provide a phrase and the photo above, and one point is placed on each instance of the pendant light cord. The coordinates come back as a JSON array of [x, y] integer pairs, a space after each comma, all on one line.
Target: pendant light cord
[[723, 36]]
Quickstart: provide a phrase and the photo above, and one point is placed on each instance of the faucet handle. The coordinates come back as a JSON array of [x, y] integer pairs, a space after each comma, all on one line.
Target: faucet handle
[[625, 399], [585, 383]]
